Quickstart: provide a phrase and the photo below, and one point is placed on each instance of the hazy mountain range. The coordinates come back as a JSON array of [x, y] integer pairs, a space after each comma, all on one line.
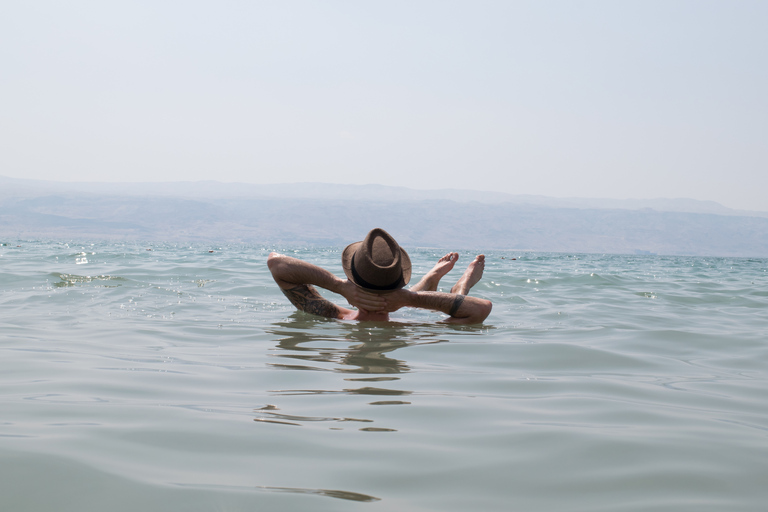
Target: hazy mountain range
[[325, 214]]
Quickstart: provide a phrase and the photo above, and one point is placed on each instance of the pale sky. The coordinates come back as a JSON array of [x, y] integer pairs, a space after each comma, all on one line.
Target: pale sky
[[605, 99]]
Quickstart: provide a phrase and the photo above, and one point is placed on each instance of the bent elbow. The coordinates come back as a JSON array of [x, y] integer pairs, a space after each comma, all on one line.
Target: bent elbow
[[275, 263], [483, 310], [273, 260]]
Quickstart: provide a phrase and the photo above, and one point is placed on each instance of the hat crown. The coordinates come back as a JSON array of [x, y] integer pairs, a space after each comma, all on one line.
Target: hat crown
[[381, 253]]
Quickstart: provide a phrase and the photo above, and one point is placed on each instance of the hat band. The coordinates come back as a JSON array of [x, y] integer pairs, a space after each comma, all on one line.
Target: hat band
[[365, 284]]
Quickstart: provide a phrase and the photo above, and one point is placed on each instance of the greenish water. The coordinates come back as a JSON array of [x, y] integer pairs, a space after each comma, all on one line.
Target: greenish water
[[181, 379]]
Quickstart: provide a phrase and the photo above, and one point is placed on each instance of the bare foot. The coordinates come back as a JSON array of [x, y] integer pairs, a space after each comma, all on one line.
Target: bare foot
[[471, 276], [445, 264], [430, 281]]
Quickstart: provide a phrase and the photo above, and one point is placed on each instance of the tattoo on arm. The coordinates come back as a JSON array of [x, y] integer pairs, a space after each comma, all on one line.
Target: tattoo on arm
[[456, 304], [306, 298]]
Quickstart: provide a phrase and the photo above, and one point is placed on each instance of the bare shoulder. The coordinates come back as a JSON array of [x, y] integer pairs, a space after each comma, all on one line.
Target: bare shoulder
[[306, 298]]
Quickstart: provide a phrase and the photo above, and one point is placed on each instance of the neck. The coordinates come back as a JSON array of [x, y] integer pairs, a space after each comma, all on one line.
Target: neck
[[367, 316]]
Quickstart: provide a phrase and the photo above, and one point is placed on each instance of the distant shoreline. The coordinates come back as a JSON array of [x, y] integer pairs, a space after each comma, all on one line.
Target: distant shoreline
[[31, 210]]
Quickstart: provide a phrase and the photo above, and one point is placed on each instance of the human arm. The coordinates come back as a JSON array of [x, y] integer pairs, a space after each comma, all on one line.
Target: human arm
[[462, 309], [297, 280]]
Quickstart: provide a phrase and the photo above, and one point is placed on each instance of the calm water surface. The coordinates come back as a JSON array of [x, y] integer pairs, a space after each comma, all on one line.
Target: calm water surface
[[167, 377]]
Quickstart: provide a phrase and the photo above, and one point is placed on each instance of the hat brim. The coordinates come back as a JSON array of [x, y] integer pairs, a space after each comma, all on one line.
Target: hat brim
[[346, 263]]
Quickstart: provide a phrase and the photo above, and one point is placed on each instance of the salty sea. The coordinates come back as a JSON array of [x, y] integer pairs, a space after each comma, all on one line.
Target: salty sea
[[177, 377]]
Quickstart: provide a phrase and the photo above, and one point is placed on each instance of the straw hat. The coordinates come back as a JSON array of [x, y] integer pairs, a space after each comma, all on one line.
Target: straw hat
[[377, 263]]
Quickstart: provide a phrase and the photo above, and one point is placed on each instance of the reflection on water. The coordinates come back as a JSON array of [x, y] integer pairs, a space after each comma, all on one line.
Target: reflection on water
[[305, 340], [344, 495], [329, 493], [288, 419], [359, 391], [347, 348]]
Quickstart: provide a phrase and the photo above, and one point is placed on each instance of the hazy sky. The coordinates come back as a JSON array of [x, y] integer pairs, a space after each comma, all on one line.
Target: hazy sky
[[620, 99]]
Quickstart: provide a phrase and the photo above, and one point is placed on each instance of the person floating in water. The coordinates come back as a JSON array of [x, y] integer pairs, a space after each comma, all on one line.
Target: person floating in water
[[377, 271]]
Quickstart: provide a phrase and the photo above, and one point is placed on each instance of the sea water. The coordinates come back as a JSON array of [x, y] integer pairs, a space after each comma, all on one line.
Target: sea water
[[178, 378]]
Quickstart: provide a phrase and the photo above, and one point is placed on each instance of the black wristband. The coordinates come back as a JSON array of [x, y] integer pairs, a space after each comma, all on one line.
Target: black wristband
[[456, 304]]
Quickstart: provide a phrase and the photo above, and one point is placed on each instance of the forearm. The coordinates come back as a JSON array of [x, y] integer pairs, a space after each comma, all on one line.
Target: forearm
[[460, 308], [289, 272]]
